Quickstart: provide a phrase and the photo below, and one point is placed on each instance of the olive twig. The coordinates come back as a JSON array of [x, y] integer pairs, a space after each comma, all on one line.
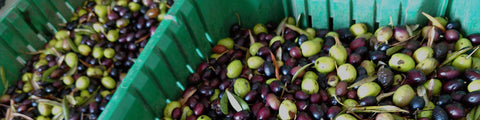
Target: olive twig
[[339, 102], [21, 115], [274, 60], [281, 27], [252, 40], [142, 38], [239, 21], [474, 50]]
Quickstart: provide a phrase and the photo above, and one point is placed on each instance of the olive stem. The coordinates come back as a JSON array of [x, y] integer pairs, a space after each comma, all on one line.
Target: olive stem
[[337, 40], [434, 21], [431, 37], [274, 60], [241, 47], [339, 102], [238, 18], [142, 38], [281, 27], [252, 40], [84, 63]]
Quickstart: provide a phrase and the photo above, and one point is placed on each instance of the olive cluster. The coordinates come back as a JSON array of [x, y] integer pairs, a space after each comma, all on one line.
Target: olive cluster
[[280, 71], [80, 68]]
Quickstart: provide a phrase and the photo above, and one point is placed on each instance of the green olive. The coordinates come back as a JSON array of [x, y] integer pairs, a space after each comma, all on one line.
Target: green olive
[[368, 89], [94, 72], [108, 82], [310, 48], [27, 87], [339, 53], [100, 10], [476, 53], [476, 63], [133, 6], [227, 42], [40, 63], [109, 53], [27, 77], [369, 66], [121, 23], [291, 21], [259, 28], [254, 48], [97, 52], [59, 45], [384, 34], [42, 118], [44, 109], [287, 110], [310, 31], [62, 34], [167, 112], [347, 72], [71, 59], [84, 49], [234, 69], [332, 34], [358, 29], [81, 12], [98, 27], [437, 86], [105, 93], [68, 80], [112, 35], [474, 86], [270, 80], [275, 39], [310, 86], [345, 116], [84, 93], [462, 62], [78, 99], [333, 80], [401, 62], [384, 116], [366, 36], [78, 39], [427, 66], [310, 74], [204, 117], [349, 103], [422, 53], [52, 42], [186, 111], [241, 87], [255, 62], [56, 110], [403, 95], [82, 82], [462, 43], [325, 64], [427, 111], [160, 16], [319, 40], [65, 45]]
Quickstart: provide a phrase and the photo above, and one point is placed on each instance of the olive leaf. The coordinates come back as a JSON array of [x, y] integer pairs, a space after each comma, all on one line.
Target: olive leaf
[[65, 108], [471, 114], [48, 102], [431, 84], [300, 31], [364, 80], [59, 116], [281, 26], [477, 113], [384, 95], [224, 105], [48, 72], [384, 108], [237, 103], [20, 115], [90, 98], [454, 55], [72, 45], [252, 40], [434, 21], [393, 50], [411, 28], [300, 71]]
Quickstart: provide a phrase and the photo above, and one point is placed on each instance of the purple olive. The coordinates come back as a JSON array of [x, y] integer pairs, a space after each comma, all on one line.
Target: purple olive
[[472, 74], [317, 111], [415, 77], [453, 85], [368, 101], [302, 105], [455, 110], [303, 116], [333, 111], [242, 115], [472, 99], [452, 35], [263, 113], [447, 72], [474, 38]]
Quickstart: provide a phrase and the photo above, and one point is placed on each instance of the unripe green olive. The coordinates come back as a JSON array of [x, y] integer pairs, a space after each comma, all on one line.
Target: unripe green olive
[[369, 66], [84, 93], [133, 6], [358, 29], [254, 48], [339, 53], [462, 43], [42, 118], [82, 83], [44, 109], [56, 110], [287, 110], [27, 77], [227, 42], [259, 28], [291, 21], [384, 34], [347, 72], [241, 87], [427, 66], [112, 35], [167, 112], [474, 86], [234, 69], [109, 53], [462, 62], [422, 53], [310, 74], [310, 86], [310, 31], [97, 52], [204, 117], [349, 103], [27, 87], [98, 27], [108, 82], [62, 34], [368, 89], [325, 64], [100, 10], [255, 62], [84, 49], [94, 72], [401, 62], [275, 39], [403, 95], [68, 80], [345, 116], [437, 86], [310, 48]]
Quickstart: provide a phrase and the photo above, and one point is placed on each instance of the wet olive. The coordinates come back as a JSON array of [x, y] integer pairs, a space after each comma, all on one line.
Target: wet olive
[[422, 53], [310, 86], [255, 62], [82, 83], [439, 113], [444, 99], [472, 98], [447, 72], [415, 76], [241, 87], [462, 43], [358, 29]]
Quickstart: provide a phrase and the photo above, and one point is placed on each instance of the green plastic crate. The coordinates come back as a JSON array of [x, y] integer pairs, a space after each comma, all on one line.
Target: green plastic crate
[[190, 29]]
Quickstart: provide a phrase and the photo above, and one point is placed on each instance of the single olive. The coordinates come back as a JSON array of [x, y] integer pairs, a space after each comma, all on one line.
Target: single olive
[[204, 117], [401, 62], [97, 52], [44, 109], [333, 80], [255, 62], [310, 86], [259, 28], [345, 116], [427, 111], [275, 39], [347, 72], [112, 35], [427, 66], [287, 110], [332, 34], [101, 10], [368, 89], [437, 86], [349, 103], [167, 112], [254, 48], [27, 87], [120, 23], [71, 59], [310, 48], [133, 6], [369, 66], [84, 50], [462, 43], [403, 95], [234, 69], [462, 62], [241, 87], [94, 72], [310, 74], [82, 83], [27, 77], [108, 82], [422, 53], [384, 34], [474, 86], [384, 116], [400, 34], [476, 63], [339, 53], [417, 103], [358, 29], [109, 53], [227, 42], [325, 64]]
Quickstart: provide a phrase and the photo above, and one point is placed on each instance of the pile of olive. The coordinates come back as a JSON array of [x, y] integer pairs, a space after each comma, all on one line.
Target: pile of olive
[[280, 71], [81, 67]]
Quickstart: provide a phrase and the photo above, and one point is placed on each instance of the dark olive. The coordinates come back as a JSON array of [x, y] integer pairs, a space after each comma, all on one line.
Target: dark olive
[[472, 74], [317, 111], [439, 113], [415, 77], [453, 85], [417, 103], [368, 101], [472, 98], [455, 110], [443, 100]]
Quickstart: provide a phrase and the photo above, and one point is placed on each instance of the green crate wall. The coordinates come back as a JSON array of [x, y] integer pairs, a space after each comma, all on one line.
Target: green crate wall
[[190, 29]]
